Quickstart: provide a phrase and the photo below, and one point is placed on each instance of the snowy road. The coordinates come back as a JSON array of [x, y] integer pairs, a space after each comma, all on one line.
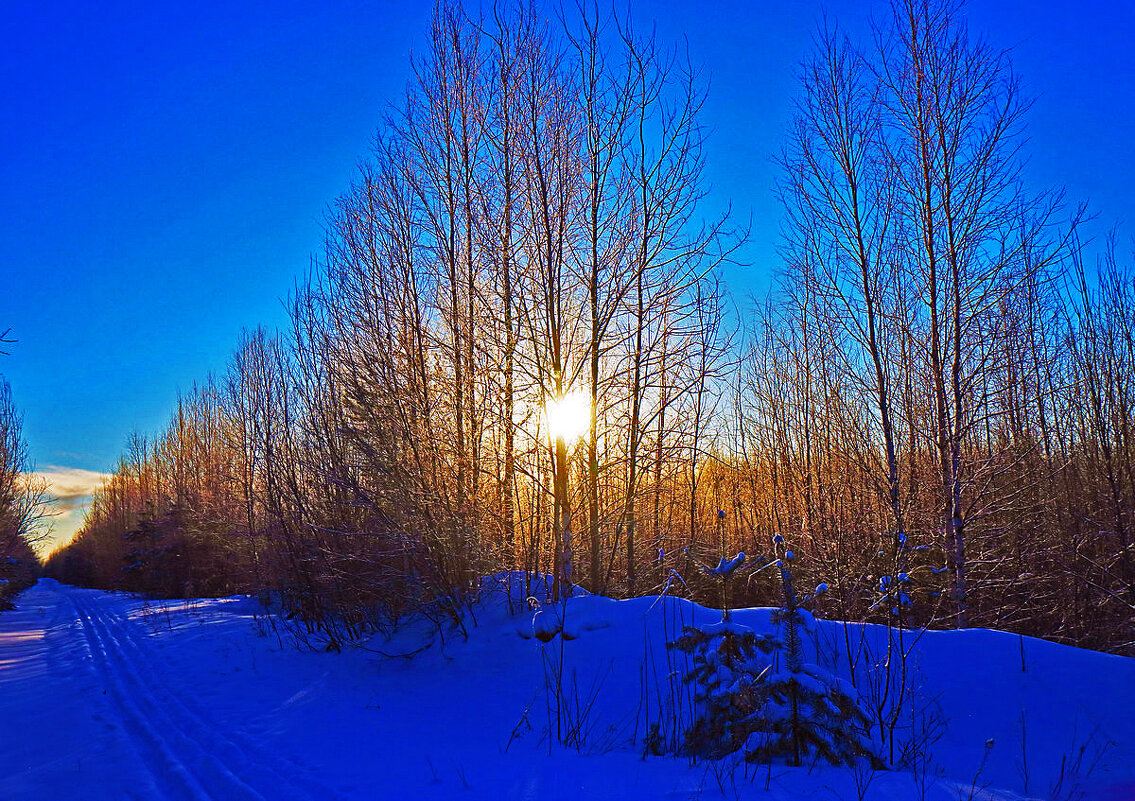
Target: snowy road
[[87, 703]]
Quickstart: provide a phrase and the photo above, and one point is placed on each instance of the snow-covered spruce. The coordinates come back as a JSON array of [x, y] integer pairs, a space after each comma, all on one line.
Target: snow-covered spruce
[[729, 661], [805, 710], [756, 692]]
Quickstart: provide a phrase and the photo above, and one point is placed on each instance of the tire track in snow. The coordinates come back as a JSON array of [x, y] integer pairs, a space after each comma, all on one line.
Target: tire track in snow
[[262, 768], [195, 759], [168, 772]]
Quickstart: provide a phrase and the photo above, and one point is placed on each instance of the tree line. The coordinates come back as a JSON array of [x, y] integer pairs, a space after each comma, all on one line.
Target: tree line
[[22, 499], [515, 352]]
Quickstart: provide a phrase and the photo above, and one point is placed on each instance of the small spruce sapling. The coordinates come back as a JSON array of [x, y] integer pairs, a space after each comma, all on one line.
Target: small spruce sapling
[[756, 692], [728, 660], [804, 710]]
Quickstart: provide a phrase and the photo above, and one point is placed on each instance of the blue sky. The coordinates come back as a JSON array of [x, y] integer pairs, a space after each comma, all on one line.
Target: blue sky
[[164, 168]]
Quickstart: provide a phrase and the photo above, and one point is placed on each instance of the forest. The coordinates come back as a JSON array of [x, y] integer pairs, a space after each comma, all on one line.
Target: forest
[[516, 351]]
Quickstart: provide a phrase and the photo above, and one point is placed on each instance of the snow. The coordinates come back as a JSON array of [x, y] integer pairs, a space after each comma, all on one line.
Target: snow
[[725, 567], [723, 626], [106, 696]]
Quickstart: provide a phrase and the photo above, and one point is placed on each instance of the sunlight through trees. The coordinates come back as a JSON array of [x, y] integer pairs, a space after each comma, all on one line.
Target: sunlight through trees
[[516, 352]]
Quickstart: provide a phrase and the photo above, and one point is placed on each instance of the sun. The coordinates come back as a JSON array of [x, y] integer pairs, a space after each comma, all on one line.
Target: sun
[[568, 417]]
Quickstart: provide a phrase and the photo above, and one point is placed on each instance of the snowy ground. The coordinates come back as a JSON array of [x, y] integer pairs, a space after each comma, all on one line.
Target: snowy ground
[[104, 696]]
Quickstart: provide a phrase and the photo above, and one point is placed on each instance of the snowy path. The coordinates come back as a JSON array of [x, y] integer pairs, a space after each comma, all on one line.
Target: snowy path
[[183, 754], [196, 758], [58, 728]]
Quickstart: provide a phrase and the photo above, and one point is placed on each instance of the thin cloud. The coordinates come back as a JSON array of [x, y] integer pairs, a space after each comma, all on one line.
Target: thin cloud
[[70, 490], [70, 485]]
